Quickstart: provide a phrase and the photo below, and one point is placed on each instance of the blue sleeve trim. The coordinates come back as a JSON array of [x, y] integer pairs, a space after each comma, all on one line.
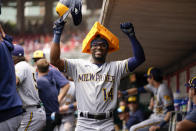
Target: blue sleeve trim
[[141, 90], [56, 39], [71, 106], [138, 53], [124, 93]]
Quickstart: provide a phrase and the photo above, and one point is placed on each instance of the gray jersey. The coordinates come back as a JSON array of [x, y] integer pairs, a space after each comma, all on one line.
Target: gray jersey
[[163, 98], [27, 88], [96, 87]]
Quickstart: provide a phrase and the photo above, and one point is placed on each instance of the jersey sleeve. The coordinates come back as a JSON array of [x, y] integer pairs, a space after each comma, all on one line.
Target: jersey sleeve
[[59, 78], [166, 96], [8, 42], [149, 88], [20, 72], [122, 68], [70, 67], [191, 116]]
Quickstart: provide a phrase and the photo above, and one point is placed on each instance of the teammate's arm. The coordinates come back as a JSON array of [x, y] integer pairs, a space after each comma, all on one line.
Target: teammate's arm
[[6, 39], [138, 52], [63, 92], [55, 47], [133, 91], [65, 108]]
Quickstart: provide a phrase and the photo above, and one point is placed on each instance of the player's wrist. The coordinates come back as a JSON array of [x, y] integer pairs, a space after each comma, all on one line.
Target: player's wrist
[[131, 35], [124, 93], [71, 106], [56, 38]]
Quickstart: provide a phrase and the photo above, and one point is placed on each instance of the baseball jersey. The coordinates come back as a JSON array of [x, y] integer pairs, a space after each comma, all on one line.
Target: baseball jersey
[[135, 117], [163, 98], [48, 91], [27, 88], [96, 86], [70, 96], [192, 115], [9, 98], [60, 79]]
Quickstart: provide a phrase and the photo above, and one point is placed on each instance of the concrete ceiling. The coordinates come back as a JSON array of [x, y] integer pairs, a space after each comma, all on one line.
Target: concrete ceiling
[[165, 28]]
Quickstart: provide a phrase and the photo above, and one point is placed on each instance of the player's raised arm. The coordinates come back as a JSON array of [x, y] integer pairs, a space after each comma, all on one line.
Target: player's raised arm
[[138, 52], [55, 47]]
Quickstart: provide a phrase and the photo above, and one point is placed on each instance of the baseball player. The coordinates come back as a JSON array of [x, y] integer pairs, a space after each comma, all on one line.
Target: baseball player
[[47, 82], [67, 109], [97, 81], [60, 79], [34, 115], [10, 102], [134, 116], [163, 101], [189, 123], [39, 54]]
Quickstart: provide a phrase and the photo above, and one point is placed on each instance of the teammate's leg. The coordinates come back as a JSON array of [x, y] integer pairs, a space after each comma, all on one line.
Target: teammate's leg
[[145, 124], [11, 124], [33, 121]]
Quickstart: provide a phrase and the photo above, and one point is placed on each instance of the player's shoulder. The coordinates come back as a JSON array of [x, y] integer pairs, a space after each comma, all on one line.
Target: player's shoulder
[[77, 61], [42, 79], [22, 65], [118, 62], [163, 86]]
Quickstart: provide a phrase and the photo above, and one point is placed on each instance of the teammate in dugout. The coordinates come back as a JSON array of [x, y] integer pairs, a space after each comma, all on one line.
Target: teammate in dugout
[[49, 84], [10, 102], [189, 123], [60, 80], [163, 101], [134, 116], [97, 81], [34, 115]]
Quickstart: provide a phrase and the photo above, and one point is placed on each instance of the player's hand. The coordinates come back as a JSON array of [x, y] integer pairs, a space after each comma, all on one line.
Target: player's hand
[[58, 26], [64, 108], [127, 28], [154, 128]]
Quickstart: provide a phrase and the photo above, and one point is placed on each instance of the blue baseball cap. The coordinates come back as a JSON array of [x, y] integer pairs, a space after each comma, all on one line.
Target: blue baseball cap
[[76, 12], [191, 83], [18, 50], [153, 71]]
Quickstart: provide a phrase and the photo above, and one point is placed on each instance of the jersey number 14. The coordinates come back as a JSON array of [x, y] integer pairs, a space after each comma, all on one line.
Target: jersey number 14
[[108, 95]]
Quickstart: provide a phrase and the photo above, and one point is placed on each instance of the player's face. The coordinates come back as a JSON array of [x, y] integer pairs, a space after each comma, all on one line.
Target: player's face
[[99, 50], [150, 80], [132, 106], [122, 116]]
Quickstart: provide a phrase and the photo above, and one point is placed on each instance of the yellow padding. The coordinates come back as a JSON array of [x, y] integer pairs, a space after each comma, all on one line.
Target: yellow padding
[[61, 9], [149, 70], [38, 54], [99, 29]]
